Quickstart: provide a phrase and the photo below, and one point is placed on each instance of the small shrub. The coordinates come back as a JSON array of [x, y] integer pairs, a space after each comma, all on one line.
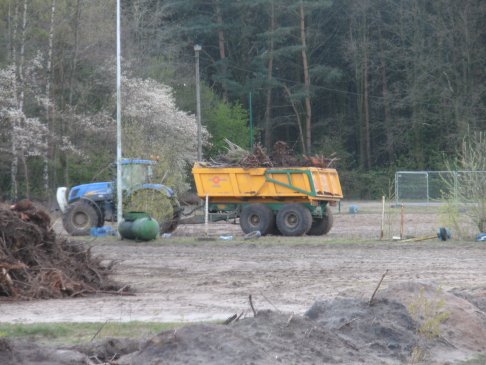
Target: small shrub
[[429, 315]]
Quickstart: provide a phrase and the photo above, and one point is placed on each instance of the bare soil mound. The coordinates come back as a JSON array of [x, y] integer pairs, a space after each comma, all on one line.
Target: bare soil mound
[[449, 326], [37, 263], [397, 328], [406, 323], [384, 330]]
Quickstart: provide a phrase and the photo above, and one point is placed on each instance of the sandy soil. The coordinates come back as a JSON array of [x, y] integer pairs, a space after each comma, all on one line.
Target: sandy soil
[[313, 298], [183, 278]]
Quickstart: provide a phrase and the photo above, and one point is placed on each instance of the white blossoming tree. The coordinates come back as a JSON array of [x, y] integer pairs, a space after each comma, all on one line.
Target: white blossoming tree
[[22, 137], [25, 134], [153, 127]]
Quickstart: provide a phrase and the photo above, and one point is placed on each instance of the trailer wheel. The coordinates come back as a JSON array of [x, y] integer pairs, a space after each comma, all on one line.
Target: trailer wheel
[[257, 217], [322, 225], [79, 218], [294, 220]]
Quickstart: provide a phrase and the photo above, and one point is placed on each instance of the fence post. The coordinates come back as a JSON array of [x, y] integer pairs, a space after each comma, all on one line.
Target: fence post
[[401, 221], [396, 189], [382, 217], [455, 184], [427, 184]]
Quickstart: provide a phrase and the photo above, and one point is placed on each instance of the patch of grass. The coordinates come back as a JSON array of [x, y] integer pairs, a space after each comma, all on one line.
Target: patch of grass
[[237, 240], [33, 330], [75, 333], [479, 359]]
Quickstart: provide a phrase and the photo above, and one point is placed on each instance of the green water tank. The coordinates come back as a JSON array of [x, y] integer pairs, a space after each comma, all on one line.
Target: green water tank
[[138, 226]]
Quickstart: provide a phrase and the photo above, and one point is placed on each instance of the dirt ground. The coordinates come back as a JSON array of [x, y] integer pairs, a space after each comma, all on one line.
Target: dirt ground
[[188, 277]]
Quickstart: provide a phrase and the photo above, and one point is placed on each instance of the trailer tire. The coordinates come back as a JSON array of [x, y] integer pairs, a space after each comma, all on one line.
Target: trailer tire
[[80, 217], [323, 225], [257, 217], [294, 220]]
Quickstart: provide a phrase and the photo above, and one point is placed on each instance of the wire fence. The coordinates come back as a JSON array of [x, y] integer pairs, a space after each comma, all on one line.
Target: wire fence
[[426, 187]]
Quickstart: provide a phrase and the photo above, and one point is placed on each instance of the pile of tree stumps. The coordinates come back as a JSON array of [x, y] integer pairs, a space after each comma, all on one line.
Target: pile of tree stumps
[[37, 263]]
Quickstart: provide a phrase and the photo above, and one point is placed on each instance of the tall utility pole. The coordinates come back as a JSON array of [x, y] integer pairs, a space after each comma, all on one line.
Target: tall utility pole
[[197, 48], [119, 207]]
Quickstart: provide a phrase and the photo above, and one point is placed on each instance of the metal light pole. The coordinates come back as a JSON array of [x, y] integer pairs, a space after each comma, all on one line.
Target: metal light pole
[[119, 207], [197, 48]]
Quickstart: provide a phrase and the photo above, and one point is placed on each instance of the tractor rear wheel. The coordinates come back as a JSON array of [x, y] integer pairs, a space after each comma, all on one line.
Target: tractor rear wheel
[[322, 225], [257, 217], [80, 217], [164, 209], [294, 220]]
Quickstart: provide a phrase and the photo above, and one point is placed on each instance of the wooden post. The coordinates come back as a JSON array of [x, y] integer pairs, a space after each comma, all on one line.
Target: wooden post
[[377, 287], [206, 216], [382, 217]]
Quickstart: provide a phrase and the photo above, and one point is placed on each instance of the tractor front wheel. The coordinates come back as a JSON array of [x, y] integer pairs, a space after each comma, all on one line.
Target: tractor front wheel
[[79, 218]]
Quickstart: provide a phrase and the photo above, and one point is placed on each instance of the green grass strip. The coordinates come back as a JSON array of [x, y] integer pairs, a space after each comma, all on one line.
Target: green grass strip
[[76, 333]]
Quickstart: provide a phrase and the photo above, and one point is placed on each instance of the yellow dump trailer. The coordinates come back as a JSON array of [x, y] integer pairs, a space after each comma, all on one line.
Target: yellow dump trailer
[[289, 201]]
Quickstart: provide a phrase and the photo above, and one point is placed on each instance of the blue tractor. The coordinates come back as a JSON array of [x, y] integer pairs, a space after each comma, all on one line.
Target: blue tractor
[[91, 205]]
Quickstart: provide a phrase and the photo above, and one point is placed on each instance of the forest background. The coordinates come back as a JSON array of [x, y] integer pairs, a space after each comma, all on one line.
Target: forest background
[[384, 85]]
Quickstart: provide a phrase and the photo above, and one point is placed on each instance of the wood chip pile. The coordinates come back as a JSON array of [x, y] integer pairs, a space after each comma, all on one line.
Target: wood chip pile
[[36, 263], [281, 156]]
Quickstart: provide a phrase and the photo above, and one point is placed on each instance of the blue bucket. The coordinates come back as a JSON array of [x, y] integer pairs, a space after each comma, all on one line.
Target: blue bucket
[[101, 231]]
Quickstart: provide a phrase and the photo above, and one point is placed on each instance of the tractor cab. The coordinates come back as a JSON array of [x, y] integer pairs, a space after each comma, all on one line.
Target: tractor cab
[[136, 173]]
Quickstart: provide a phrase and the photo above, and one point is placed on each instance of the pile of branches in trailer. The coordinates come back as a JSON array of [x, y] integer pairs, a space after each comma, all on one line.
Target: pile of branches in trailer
[[281, 156]]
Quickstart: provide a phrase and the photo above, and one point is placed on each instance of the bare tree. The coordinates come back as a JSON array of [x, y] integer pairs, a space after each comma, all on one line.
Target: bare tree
[[14, 120], [268, 105], [467, 191], [358, 48], [305, 64], [49, 153], [221, 45]]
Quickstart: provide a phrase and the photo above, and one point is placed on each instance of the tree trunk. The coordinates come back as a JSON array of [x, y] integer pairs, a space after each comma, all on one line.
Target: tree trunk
[[21, 85], [418, 47], [366, 126], [360, 54], [268, 106], [22, 58], [77, 14], [358, 59], [297, 115], [386, 108], [9, 26], [14, 191], [48, 154], [222, 54], [26, 176], [64, 127], [308, 110]]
